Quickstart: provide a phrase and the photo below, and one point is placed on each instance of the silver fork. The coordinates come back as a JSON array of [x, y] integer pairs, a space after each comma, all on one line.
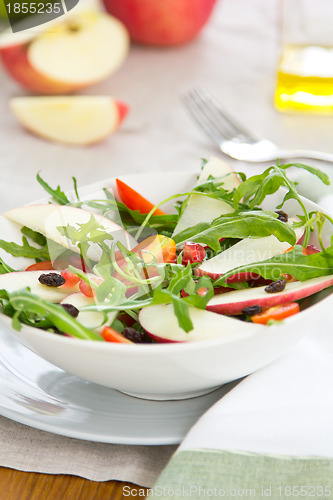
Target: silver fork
[[234, 139]]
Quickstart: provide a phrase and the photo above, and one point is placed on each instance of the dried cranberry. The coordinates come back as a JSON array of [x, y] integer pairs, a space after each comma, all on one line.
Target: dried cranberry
[[282, 216], [51, 279], [276, 286], [251, 310], [135, 336], [193, 252], [72, 310]]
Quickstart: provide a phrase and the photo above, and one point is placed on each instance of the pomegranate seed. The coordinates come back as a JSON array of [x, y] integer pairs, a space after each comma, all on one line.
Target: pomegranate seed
[[86, 289], [193, 252], [71, 278]]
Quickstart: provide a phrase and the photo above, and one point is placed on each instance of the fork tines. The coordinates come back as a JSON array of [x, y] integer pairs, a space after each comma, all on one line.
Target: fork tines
[[210, 116]]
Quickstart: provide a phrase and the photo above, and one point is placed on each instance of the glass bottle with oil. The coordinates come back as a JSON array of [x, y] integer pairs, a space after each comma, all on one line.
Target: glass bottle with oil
[[305, 72]]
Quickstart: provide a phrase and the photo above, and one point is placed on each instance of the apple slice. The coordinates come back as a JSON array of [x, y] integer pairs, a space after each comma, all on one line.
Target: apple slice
[[203, 208], [90, 319], [235, 301], [19, 280], [70, 54], [161, 324], [246, 251], [75, 120], [46, 219]]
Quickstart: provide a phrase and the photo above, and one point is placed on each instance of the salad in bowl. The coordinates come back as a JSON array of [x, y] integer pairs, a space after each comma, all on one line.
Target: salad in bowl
[[167, 285]]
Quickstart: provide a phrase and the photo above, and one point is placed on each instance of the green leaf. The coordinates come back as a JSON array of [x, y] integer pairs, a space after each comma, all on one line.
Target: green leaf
[[182, 279], [25, 250], [57, 194], [5, 268], [180, 307], [302, 267], [315, 171], [24, 301], [75, 188], [244, 224], [34, 236]]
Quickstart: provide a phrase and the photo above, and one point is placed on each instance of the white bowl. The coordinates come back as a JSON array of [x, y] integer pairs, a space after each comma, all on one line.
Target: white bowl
[[179, 370]]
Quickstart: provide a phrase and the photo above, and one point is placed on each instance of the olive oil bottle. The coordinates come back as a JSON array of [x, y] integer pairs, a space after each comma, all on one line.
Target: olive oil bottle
[[305, 79]]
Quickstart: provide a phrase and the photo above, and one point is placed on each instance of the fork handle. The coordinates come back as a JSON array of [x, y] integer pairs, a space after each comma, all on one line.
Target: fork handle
[[306, 153]]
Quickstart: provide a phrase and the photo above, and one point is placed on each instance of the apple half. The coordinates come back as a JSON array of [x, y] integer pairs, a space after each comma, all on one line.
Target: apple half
[[201, 208], [73, 120], [81, 50], [235, 301], [46, 218], [19, 280], [90, 319], [161, 323]]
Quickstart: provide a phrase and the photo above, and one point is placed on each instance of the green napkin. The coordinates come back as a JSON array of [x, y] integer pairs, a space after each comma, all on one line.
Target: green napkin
[[198, 474]]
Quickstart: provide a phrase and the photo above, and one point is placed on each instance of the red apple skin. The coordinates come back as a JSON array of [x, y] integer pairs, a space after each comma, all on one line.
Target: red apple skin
[[235, 278], [271, 300], [123, 110], [16, 61], [161, 22], [162, 340]]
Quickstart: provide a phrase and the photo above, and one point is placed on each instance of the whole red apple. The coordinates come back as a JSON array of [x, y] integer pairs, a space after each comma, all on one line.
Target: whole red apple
[[161, 22]]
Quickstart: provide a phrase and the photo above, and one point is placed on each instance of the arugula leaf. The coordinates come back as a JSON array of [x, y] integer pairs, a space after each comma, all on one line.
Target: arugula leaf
[[26, 302], [314, 171], [75, 188], [34, 236], [243, 224], [5, 268], [183, 279], [57, 194], [25, 250], [255, 189], [302, 267], [180, 307]]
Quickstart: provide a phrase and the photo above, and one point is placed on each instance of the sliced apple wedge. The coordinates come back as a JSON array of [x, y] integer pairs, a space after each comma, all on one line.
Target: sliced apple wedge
[[203, 208], [161, 324], [235, 301], [246, 251], [46, 219], [70, 54], [22, 279], [90, 319], [74, 120]]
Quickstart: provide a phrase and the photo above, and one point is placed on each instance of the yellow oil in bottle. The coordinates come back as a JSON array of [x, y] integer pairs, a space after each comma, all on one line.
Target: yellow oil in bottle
[[305, 79]]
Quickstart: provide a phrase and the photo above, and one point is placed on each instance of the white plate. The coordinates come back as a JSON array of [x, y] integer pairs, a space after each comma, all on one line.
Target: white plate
[[36, 393]]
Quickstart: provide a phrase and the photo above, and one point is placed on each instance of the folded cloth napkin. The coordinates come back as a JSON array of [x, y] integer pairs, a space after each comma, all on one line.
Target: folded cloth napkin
[[270, 436]]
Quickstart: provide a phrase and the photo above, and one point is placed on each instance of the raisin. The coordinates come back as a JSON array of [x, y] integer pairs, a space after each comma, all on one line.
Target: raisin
[[282, 216], [135, 336], [51, 279], [72, 310], [251, 310], [276, 286]]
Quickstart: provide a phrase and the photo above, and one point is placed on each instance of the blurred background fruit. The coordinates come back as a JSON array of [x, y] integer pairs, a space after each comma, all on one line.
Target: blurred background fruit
[[79, 50], [74, 120], [161, 22]]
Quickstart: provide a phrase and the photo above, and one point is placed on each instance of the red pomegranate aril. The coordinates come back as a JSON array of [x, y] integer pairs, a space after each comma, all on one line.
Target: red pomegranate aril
[[193, 252], [86, 289], [71, 279]]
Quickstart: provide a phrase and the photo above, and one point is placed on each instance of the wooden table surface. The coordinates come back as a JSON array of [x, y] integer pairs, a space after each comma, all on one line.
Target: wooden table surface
[[18, 485]]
